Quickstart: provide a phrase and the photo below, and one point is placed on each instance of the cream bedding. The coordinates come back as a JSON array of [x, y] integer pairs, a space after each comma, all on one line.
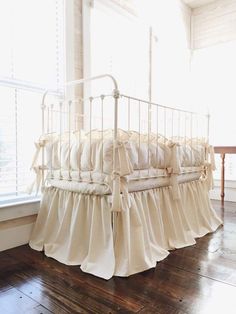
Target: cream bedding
[[76, 228], [101, 184], [159, 193], [94, 151], [88, 158]]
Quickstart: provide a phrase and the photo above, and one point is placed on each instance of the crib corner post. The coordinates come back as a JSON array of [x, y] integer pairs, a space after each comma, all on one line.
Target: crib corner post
[[116, 178], [116, 95]]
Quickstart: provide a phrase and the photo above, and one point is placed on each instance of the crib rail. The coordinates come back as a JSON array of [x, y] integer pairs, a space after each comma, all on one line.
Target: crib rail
[[116, 111]]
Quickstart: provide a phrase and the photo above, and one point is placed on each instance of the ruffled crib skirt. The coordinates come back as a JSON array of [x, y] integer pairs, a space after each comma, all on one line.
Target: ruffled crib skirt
[[78, 229]]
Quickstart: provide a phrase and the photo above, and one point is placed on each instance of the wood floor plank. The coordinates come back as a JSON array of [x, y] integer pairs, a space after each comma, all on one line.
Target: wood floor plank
[[38, 310], [12, 302], [186, 291], [211, 265], [51, 291], [160, 310], [200, 279], [74, 277]]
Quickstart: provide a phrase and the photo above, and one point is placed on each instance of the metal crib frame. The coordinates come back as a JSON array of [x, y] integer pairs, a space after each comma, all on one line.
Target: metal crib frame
[[46, 111]]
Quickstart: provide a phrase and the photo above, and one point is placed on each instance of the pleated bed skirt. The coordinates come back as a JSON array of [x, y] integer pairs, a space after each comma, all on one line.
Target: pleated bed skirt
[[80, 229]]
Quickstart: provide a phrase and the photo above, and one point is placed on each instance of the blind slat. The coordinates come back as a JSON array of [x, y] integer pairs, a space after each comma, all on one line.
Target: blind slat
[[25, 72]]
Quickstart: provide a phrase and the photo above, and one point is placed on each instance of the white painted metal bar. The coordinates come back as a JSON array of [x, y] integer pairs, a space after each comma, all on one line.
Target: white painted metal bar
[[157, 138], [208, 128], [179, 135], [149, 131], [128, 114], [165, 134], [82, 81], [79, 127], [69, 140], [160, 106], [51, 138], [48, 118], [102, 126], [43, 148], [60, 139], [191, 138], [172, 124], [139, 135], [90, 137]]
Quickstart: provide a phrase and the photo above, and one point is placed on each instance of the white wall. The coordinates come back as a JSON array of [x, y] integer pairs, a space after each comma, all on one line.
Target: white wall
[[213, 78]]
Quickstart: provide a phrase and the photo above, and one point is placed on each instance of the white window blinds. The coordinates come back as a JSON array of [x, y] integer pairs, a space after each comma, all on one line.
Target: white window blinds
[[31, 60]]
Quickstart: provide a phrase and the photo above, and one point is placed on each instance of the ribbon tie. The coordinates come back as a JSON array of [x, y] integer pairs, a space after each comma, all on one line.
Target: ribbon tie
[[37, 181], [210, 167], [123, 167], [174, 171], [36, 168]]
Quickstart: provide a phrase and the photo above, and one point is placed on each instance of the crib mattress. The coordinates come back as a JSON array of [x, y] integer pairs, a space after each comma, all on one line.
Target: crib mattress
[[100, 184]]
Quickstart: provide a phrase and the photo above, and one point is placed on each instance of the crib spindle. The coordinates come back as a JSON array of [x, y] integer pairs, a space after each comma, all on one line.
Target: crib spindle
[[179, 135], [69, 140], [172, 124], [102, 126], [208, 128], [165, 135], [90, 137], [43, 132], [157, 137], [149, 131], [128, 114], [60, 138], [51, 137], [191, 137], [48, 119], [197, 129], [139, 135], [81, 103]]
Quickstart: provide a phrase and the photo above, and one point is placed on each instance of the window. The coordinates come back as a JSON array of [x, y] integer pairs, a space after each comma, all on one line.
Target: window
[[213, 71], [31, 60], [120, 46], [116, 43]]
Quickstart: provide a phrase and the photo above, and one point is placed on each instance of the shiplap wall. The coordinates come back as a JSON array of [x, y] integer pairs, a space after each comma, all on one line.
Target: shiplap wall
[[214, 23]]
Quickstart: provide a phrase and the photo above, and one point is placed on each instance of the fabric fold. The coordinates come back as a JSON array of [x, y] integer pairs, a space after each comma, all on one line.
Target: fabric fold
[[80, 229]]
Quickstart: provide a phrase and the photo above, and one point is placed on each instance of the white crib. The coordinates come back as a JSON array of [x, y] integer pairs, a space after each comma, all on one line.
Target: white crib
[[116, 200]]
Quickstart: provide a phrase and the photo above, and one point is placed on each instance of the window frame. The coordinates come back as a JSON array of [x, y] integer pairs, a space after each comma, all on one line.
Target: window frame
[[20, 206]]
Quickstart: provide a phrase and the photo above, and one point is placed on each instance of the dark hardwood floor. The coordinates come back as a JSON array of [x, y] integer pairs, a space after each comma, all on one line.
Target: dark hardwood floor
[[197, 279]]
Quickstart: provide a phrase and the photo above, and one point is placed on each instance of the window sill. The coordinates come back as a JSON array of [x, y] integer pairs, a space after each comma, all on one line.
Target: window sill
[[20, 201], [18, 209]]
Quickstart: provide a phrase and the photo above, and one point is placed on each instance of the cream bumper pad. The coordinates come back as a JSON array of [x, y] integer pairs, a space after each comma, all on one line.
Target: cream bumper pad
[[76, 229]]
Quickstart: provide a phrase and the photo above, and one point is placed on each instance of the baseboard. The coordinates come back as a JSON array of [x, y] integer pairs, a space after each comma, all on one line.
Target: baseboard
[[16, 232]]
